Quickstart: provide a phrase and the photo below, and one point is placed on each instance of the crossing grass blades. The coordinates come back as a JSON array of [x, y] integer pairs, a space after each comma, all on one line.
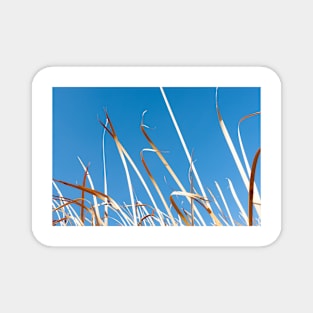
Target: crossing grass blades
[[95, 208]]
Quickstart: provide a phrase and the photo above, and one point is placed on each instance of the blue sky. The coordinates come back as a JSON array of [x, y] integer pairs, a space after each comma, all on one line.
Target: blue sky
[[77, 132]]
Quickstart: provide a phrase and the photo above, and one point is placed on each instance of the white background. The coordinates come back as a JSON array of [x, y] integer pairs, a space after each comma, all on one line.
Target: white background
[[35, 34]]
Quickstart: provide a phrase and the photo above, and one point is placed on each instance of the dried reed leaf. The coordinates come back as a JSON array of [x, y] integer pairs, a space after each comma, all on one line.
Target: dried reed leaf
[[157, 188], [203, 201], [181, 138], [234, 194], [222, 214], [105, 185], [225, 203], [123, 151], [234, 152], [82, 211], [240, 140], [180, 214], [145, 217], [71, 211], [100, 195], [166, 165], [97, 213], [55, 222], [251, 186], [256, 191]]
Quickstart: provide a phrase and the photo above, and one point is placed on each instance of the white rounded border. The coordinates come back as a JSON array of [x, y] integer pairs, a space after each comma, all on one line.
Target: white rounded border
[[187, 76]]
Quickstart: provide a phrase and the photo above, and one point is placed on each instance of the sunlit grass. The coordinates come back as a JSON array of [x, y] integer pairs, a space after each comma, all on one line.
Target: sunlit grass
[[203, 209]]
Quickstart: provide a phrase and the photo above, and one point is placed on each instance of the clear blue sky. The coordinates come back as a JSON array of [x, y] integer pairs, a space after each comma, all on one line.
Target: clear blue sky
[[77, 132]]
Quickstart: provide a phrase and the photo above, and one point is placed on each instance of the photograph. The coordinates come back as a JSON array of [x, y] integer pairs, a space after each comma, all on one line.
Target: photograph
[[156, 156]]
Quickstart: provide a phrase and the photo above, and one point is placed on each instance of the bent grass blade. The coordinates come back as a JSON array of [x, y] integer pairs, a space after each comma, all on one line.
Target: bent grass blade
[[167, 166], [114, 136], [181, 138], [235, 155], [234, 194], [251, 186], [203, 201]]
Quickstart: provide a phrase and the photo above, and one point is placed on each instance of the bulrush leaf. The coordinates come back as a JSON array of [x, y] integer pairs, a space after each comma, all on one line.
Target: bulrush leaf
[[251, 186]]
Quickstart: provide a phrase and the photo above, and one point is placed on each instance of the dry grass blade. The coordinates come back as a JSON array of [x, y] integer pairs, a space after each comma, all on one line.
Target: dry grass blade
[[75, 201], [96, 206], [112, 132], [251, 186], [240, 140], [105, 185], [199, 199], [167, 166], [123, 153], [58, 214], [145, 217], [256, 192], [232, 147], [82, 210], [180, 214], [191, 191], [79, 202], [71, 211], [144, 185], [160, 155], [124, 218], [55, 222], [98, 194], [234, 194], [225, 203], [221, 215], [114, 135], [157, 188], [68, 217], [143, 207], [181, 138], [235, 154]]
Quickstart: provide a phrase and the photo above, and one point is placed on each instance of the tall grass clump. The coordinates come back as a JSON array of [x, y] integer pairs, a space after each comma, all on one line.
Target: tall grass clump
[[191, 204]]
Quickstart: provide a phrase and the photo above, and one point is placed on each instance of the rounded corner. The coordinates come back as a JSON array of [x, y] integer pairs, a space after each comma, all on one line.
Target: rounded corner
[[41, 73], [39, 240], [273, 239], [271, 73]]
